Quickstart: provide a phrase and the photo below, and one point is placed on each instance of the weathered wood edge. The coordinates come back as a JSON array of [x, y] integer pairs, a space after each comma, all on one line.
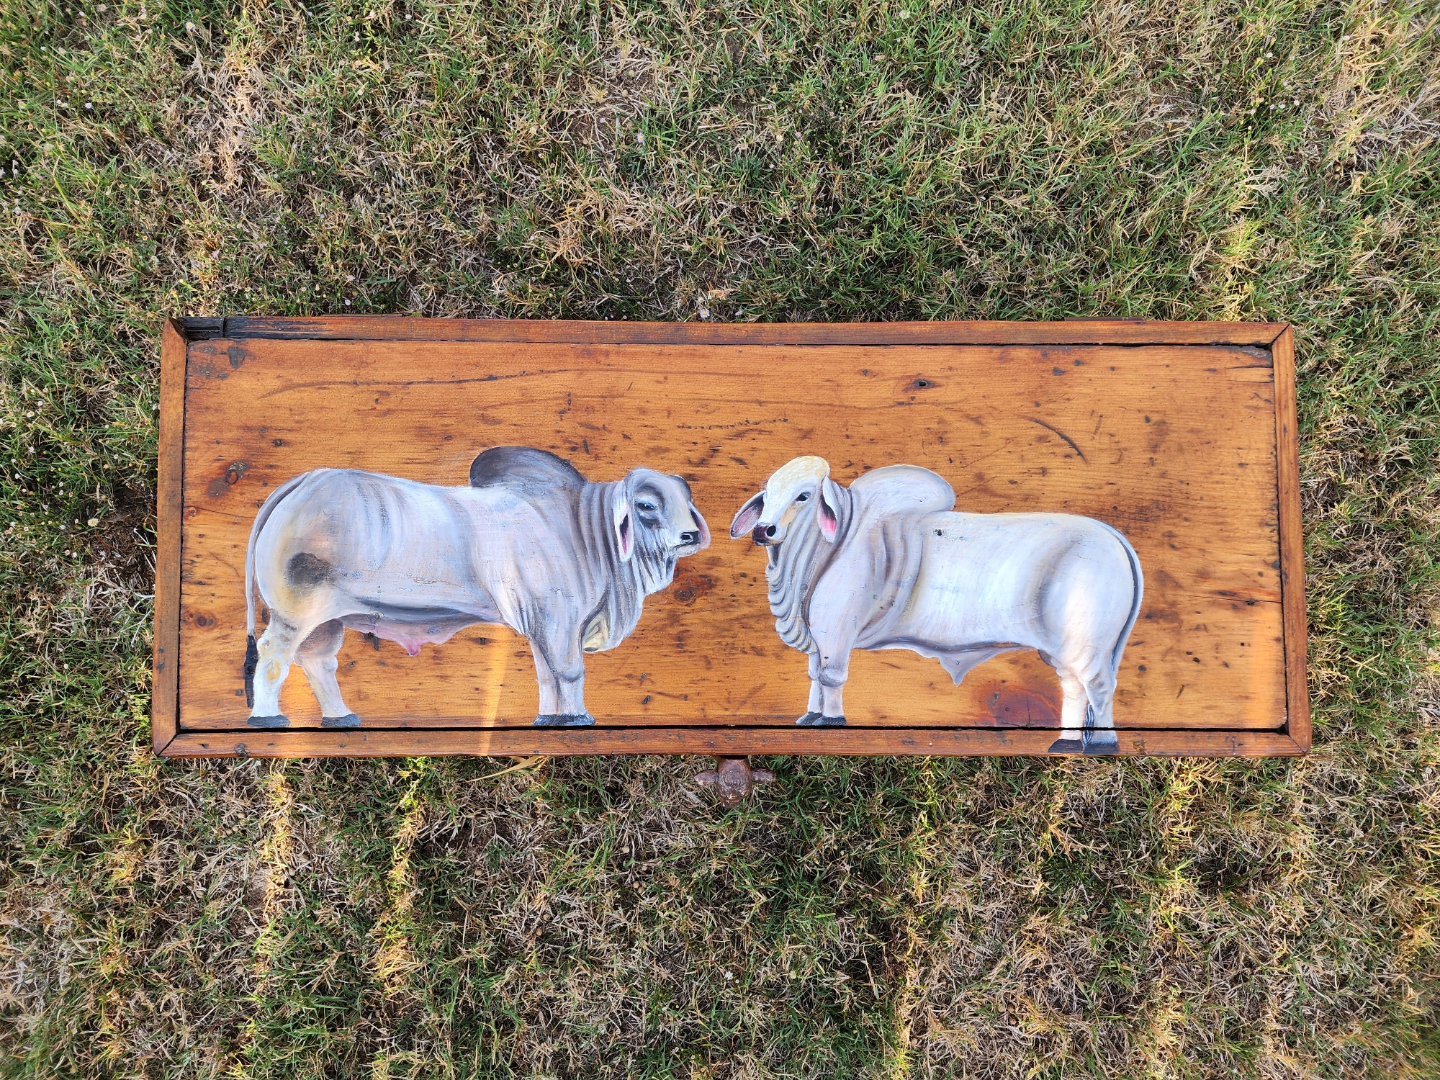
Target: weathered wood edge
[[721, 742], [1292, 740], [1292, 545], [165, 694], [409, 328]]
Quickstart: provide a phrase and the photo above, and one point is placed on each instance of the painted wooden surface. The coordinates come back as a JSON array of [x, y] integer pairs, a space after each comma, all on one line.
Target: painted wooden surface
[[1179, 445]]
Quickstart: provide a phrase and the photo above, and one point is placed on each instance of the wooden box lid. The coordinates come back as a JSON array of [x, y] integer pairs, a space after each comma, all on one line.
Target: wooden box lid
[[1181, 436]]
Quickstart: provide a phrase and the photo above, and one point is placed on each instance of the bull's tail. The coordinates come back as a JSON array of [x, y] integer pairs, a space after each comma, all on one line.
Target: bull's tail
[[252, 650], [1138, 578]]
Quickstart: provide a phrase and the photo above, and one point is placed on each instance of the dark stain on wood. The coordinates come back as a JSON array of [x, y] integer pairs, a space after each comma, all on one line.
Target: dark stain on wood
[[1061, 436], [1159, 433], [690, 585], [232, 475], [1024, 706]]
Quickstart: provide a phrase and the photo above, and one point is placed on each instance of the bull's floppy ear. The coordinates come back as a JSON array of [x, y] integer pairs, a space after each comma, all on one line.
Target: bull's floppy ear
[[624, 525], [829, 509], [747, 517]]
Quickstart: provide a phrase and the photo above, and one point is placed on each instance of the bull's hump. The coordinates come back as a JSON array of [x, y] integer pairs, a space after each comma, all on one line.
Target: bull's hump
[[904, 489], [524, 468]]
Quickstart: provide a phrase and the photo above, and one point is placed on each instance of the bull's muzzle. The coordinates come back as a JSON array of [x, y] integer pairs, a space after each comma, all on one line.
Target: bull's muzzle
[[693, 541], [765, 535]]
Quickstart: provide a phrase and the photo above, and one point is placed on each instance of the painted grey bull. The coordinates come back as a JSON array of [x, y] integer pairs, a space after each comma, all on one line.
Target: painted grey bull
[[530, 544], [888, 564]]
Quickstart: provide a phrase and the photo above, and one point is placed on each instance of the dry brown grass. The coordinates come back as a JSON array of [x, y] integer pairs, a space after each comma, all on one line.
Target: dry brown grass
[[808, 161]]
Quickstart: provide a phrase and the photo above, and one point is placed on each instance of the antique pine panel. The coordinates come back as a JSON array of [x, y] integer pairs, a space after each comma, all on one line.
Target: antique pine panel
[[1180, 435]]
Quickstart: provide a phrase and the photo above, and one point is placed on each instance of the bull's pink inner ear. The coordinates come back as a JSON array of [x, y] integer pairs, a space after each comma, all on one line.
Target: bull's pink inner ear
[[829, 523], [747, 517]]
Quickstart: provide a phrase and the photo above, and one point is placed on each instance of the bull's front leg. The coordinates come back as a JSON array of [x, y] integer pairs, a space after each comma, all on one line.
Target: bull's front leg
[[812, 713], [560, 667], [829, 671]]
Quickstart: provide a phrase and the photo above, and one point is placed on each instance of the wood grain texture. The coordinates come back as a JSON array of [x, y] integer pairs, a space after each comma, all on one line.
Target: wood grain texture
[[1174, 444], [721, 742], [164, 706], [1292, 544]]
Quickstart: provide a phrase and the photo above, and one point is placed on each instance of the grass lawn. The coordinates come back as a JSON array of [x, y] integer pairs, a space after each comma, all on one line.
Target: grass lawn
[[1266, 159]]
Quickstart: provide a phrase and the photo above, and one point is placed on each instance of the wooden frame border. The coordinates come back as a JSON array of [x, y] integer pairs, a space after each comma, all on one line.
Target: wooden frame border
[[1277, 338], [408, 328], [1292, 545], [722, 742], [169, 489]]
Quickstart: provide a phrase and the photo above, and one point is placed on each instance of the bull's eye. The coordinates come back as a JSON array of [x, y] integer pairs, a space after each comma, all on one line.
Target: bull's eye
[[802, 496], [645, 507]]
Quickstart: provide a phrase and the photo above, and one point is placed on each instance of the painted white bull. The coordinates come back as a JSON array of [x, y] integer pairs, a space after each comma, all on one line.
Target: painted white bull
[[530, 545], [887, 564]]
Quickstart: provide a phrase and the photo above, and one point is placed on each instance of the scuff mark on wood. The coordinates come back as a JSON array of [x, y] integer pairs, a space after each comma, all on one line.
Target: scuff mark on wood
[[1061, 436]]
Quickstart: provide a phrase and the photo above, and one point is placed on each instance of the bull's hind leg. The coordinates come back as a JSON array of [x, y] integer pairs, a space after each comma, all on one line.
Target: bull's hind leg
[[1072, 714], [318, 660], [1087, 718], [1100, 723], [275, 654]]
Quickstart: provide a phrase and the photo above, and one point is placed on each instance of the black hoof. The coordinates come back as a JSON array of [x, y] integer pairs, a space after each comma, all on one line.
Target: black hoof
[[1100, 743], [269, 723], [1067, 746], [810, 719], [830, 721], [349, 720], [565, 720]]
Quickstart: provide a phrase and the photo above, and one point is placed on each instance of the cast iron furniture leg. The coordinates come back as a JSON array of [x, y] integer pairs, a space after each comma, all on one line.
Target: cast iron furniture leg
[[733, 779]]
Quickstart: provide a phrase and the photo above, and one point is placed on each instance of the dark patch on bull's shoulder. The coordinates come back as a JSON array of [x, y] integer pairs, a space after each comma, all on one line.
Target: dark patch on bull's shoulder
[[307, 568]]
